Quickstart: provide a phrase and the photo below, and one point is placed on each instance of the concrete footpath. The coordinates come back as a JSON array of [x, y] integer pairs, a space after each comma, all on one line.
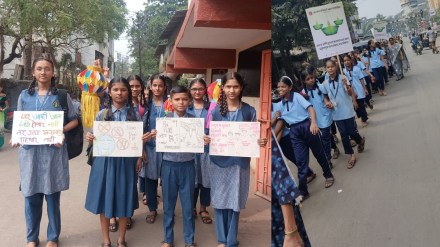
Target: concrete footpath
[[80, 228]]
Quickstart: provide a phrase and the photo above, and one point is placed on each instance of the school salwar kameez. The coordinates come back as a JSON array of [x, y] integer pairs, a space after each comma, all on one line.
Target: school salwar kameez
[[230, 183], [44, 171]]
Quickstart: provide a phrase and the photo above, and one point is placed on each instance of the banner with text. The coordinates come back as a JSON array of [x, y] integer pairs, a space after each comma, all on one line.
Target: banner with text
[[37, 127], [379, 31], [329, 30], [117, 139], [180, 135], [237, 139]]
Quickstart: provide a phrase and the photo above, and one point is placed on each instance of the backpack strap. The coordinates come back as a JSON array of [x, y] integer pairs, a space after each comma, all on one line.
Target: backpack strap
[[62, 98]]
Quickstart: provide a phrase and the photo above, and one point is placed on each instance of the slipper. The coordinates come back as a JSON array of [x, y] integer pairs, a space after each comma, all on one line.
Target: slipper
[[106, 245], [122, 244], [361, 145], [205, 219], [311, 177], [37, 242], [130, 223], [351, 163], [151, 218], [113, 227], [170, 244], [329, 182]]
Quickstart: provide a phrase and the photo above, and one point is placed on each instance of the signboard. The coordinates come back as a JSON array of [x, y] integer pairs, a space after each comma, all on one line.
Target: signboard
[[379, 30], [237, 139], [432, 12], [118, 139], [329, 30], [180, 135], [37, 127]]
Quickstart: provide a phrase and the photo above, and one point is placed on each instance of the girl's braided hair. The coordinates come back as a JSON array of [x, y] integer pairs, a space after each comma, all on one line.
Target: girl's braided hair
[[223, 102]]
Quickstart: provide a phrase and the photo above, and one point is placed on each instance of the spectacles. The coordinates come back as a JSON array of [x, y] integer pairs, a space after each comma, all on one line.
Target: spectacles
[[197, 89]]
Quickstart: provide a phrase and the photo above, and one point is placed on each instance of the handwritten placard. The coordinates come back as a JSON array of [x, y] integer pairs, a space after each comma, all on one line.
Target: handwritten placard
[[117, 139], [37, 127], [180, 135], [237, 139]]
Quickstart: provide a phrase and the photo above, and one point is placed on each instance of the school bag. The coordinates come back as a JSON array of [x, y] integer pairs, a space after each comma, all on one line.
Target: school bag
[[75, 137]]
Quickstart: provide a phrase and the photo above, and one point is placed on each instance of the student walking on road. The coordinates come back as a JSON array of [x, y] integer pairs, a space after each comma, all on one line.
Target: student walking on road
[[343, 101]]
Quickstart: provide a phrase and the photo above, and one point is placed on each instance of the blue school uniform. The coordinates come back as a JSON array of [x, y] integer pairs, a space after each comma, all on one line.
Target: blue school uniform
[[355, 75], [153, 166], [323, 115], [296, 104], [178, 176], [230, 181], [112, 183], [362, 67], [202, 162], [375, 61], [44, 169], [336, 93]]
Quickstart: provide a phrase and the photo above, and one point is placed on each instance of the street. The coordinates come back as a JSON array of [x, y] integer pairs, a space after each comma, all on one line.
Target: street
[[80, 228], [390, 198]]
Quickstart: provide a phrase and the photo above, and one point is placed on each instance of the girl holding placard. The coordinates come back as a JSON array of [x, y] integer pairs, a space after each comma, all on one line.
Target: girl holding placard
[[44, 169], [199, 108], [157, 98], [342, 98], [230, 175], [112, 183]]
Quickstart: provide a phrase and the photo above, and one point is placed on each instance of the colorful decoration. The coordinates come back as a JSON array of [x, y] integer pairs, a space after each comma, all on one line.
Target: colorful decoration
[[167, 106], [91, 81], [214, 91]]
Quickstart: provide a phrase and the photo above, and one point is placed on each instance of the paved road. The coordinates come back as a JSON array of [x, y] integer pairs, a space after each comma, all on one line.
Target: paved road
[[81, 228], [391, 197]]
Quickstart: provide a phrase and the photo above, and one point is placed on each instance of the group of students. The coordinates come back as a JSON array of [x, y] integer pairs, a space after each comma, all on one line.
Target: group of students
[[112, 188]]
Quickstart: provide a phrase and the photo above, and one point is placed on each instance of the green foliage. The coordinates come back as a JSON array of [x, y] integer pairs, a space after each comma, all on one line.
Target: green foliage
[[183, 81], [145, 31]]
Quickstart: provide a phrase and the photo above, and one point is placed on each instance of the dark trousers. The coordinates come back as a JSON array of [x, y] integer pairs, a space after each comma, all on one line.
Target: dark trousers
[[327, 139], [205, 195], [302, 141], [361, 112], [368, 84], [151, 191], [379, 78], [287, 148], [391, 70], [347, 129], [384, 73]]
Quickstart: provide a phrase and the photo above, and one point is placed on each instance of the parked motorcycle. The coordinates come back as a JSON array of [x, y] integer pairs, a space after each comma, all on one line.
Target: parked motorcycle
[[419, 48]]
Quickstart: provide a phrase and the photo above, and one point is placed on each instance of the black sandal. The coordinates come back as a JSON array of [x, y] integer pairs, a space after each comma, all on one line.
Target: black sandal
[[163, 242], [130, 222], [151, 218], [113, 227], [205, 219]]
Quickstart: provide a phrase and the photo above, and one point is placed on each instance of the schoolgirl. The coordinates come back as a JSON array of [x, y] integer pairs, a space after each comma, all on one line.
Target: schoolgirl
[[280, 126], [111, 191], [375, 56], [383, 61], [140, 104], [304, 134], [230, 175], [341, 96], [157, 98], [199, 108], [44, 169], [355, 76], [368, 77], [178, 176], [321, 106]]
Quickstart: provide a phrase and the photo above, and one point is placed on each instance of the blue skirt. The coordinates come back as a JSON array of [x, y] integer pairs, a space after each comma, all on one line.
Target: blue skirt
[[112, 187]]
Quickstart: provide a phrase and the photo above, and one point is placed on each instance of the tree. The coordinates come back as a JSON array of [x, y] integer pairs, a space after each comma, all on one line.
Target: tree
[[65, 25], [145, 31], [290, 28]]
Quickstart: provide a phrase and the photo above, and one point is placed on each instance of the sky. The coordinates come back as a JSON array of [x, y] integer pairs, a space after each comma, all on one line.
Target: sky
[[370, 8], [121, 45]]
